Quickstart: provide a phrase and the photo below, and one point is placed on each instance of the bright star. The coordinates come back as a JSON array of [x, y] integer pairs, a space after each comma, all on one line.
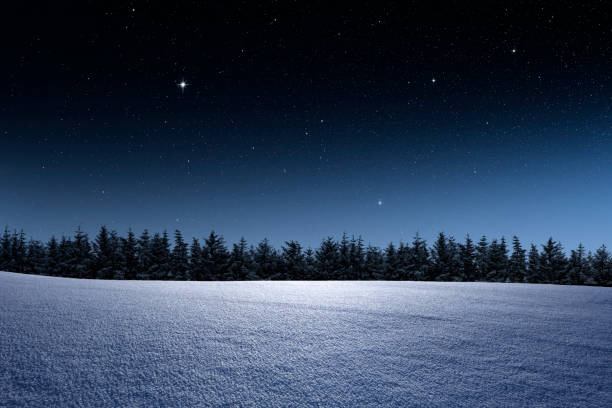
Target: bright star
[[433, 80], [379, 202], [514, 50], [182, 84]]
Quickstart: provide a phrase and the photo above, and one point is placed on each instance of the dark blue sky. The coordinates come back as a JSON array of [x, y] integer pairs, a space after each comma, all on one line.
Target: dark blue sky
[[302, 121]]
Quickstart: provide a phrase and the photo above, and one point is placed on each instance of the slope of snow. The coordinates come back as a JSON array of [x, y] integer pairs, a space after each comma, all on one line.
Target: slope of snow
[[275, 344]]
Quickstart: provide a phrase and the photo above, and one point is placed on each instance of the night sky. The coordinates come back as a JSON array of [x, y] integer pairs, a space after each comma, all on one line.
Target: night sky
[[299, 121]]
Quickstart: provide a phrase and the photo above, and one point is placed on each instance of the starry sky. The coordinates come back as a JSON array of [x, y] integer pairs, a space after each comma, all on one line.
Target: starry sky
[[303, 120]]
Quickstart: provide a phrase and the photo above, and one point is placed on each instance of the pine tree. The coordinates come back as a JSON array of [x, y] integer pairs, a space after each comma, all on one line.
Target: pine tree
[[601, 265], [6, 252], [81, 262], [241, 267], [577, 272], [344, 258], [293, 261], [419, 264], [374, 264], [534, 274], [103, 255], [309, 264], [482, 259], [552, 262], [215, 257], [64, 257], [52, 259], [467, 254], [160, 256], [179, 269], [129, 256], [145, 256], [498, 261], [327, 258], [391, 263], [35, 258], [357, 258], [517, 268], [265, 260], [195, 260]]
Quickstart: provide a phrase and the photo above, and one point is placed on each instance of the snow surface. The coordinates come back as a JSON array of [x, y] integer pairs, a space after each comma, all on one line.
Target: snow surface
[[68, 342]]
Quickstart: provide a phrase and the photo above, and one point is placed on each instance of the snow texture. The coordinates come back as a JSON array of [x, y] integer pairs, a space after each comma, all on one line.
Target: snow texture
[[68, 342]]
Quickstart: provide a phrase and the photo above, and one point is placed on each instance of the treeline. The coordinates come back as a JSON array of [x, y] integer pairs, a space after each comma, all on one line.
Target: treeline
[[110, 256]]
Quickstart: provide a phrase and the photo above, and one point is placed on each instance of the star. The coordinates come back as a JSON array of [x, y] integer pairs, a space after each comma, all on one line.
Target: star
[[433, 80], [514, 50], [379, 202], [182, 85]]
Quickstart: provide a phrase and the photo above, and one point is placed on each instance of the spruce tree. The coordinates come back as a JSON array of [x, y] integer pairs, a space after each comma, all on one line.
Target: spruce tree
[[467, 255], [327, 258], [145, 256], [517, 268], [293, 261], [419, 263], [215, 257], [601, 265], [577, 272], [482, 259], [534, 273], [129, 256], [81, 262], [241, 267], [391, 263], [179, 269], [195, 260], [6, 253]]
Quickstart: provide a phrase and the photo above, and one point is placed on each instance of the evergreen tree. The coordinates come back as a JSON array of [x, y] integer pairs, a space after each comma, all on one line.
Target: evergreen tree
[[195, 260], [391, 263], [552, 262], [129, 256], [327, 260], [601, 266], [309, 264], [517, 268], [215, 257], [35, 258], [144, 251], [578, 268], [344, 258], [160, 256], [467, 254], [534, 274], [265, 260], [419, 264], [6, 252], [103, 255], [179, 269], [52, 259], [293, 261], [357, 258], [374, 263], [498, 261], [80, 260], [241, 267], [482, 259]]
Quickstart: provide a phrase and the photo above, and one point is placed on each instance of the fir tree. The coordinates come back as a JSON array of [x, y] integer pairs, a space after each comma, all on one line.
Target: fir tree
[[129, 256], [391, 263], [145, 256], [517, 268], [482, 259], [578, 268], [215, 257], [179, 269], [374, 264], [195, 260], [468, 260], [327, 258], [534, 274], [293, 261], [265, 260], [419, 264], [601, 266], [240, 262]]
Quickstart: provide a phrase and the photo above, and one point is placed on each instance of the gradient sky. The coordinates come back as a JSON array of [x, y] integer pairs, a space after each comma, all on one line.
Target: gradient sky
[[302, 121]]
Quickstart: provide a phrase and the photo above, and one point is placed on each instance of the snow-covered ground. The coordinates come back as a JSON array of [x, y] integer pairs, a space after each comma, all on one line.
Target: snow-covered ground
[[67, 342]]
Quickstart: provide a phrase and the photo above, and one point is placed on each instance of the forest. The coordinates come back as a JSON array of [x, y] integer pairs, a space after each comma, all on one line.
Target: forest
[[159, 257]]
